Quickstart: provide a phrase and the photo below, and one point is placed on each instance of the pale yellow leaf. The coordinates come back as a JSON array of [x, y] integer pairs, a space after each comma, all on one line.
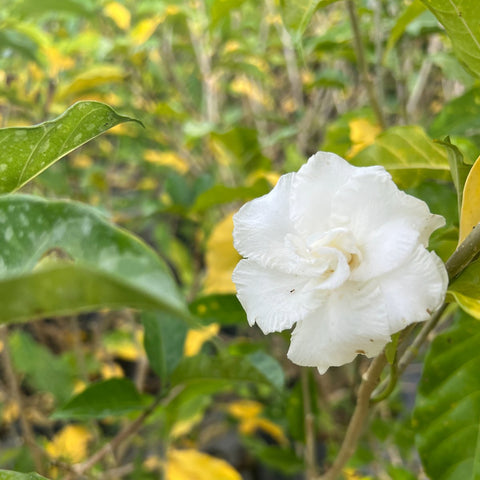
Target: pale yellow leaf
[[221, 258], [167, 159], [10, 412], [145, 29], [196, 337], [111, 370], [362, 134], [244, 409], [70, 444], [194, 465], [119, 14], [470, 212]]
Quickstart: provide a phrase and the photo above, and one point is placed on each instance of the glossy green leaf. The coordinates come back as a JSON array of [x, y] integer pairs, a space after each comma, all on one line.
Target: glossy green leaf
[[223, 370], [447, 411], [460, 19], [25, 152], [61, 257], [8, 475], [268, 367], [112, 397], [408, 154], [164, 341], [464, 290]]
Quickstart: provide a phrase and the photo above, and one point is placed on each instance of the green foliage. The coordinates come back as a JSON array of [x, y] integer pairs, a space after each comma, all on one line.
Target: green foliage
[[66, 258], [447, 413], [113, 397], [28, 151], [464, 290], [6, 475], [460, 19]]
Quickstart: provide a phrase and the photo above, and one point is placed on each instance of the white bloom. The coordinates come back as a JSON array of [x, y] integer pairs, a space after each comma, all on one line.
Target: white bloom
[[341, 252]]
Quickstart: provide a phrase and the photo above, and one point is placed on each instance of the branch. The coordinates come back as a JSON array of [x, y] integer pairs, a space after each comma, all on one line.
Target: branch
[[362, 64], [369, 382]]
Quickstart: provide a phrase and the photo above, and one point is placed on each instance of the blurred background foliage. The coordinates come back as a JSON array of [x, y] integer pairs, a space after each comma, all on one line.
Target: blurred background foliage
[[232, 93]]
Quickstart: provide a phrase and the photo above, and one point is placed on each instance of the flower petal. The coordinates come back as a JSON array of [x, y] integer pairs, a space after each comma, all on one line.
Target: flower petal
[[387, 223], [414, 290], [313, 188], [353, 320], [274, 300], [262, 225]]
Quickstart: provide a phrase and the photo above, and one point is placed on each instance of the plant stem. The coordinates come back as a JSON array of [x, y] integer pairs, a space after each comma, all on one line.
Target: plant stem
[[369, 382], [362, 64], [309, 452]]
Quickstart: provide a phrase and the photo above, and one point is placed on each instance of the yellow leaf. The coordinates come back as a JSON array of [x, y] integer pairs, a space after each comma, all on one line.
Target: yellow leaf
[[244, 409], [82, 161], [70, 444], [470, 212], [57, 62], [194, 465], [362, 134], [119, 14], [91, 79], [197, 337], [244, 86], [221, 258], [167, 159], [145, 29], [111, 370], [351, 474], [10, 412]]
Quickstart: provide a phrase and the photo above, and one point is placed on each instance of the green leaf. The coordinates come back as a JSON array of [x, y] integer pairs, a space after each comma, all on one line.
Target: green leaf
[[220, 9], [25, 152], [224, 370], [458, 168], [268, 367], [7, 475], [43, 370], [164, 340], [410, 13], [460, 116], [112, 397], [222, 309], [220, 194], [408, 154], [60, 257], [447, 411], [29, 8], [460, 19], [19, 42], [464, 290], [391, 348]]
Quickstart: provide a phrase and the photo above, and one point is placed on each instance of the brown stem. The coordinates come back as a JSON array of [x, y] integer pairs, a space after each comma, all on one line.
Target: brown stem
[[309, 452], [369, 382]]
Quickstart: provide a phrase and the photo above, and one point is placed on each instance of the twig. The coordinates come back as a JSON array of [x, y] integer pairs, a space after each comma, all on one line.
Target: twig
[[130, 429], [362, 64], [12, 382], [357, 422], [309, 452]]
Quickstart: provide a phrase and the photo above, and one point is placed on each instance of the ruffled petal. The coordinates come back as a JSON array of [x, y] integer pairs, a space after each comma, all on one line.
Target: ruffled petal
[[313, 188], [352, 321], [274, 300], [262, 225], [414, 290], [387, 223]]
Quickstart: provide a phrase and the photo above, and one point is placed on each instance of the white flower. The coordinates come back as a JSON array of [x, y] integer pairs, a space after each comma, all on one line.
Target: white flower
[[341, 252]]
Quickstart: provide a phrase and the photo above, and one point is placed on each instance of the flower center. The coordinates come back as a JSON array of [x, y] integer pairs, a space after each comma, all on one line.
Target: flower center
[[331, 256]]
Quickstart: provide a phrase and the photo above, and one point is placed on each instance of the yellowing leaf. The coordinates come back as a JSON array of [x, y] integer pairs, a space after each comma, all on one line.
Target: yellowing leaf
[[185, 426], [350, 474], [194, 465], [362, 134], [70, 444], [221, 258], [91, 79], [197, 337], [10, 412], [82, 160], [119, 14], [57, 62], [245, 409], [145, 29], [111, 370], [244, 86], [167, 159], [470, 212]]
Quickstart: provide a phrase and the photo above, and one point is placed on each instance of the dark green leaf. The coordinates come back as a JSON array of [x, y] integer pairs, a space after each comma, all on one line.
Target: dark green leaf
[[223, 309], [269, 367], [25, 152], [447, 411], [7, 475], [60, 257], [112, 397], [164, 340], [464, 290]]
